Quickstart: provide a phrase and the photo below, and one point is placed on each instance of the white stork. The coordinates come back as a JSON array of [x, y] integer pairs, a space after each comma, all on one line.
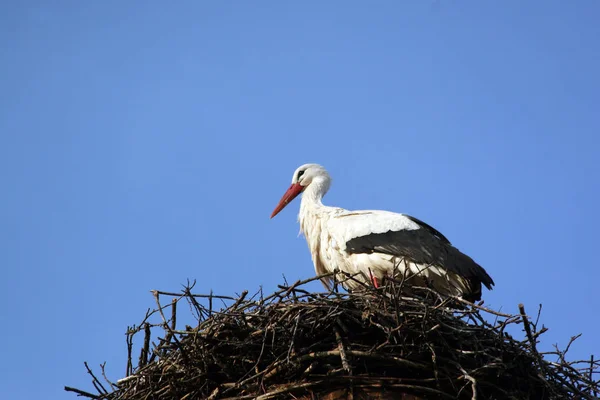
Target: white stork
[[374, 244]]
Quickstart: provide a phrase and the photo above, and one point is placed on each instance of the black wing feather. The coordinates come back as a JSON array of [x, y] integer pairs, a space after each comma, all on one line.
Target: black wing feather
[[429, 228], [423, 246]]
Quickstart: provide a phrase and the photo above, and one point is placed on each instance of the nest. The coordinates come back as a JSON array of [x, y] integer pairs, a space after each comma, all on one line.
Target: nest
[[376, 343]]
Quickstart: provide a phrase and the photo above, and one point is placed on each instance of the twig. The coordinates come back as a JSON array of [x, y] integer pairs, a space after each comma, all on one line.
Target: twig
[[171, 334], [82, 393], [473, 383], [143, 360], [342, 350], [487, 310], [591, 378], [97, 384], [199, 296], [173, 314], [293, 336], [129, 341], [102, 368]]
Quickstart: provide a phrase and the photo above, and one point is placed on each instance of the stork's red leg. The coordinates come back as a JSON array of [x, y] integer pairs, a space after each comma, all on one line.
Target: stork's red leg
[[373, 279]]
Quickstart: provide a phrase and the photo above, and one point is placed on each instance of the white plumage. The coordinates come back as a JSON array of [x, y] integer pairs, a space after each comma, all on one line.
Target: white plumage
[[373, 244]]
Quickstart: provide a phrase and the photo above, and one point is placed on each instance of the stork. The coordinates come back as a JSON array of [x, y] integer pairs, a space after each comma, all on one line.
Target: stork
[[373, 244]]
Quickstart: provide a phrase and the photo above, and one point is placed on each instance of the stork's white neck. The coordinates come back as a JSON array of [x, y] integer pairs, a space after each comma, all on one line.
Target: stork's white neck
[[311, 206], [313, 195]]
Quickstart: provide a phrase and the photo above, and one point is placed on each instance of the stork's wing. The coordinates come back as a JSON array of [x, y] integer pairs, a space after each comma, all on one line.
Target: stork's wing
[[347, 225], [423, 245], [429, 228]]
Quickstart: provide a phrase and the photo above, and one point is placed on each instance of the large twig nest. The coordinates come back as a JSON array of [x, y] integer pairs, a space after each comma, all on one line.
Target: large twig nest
[[372, 344]]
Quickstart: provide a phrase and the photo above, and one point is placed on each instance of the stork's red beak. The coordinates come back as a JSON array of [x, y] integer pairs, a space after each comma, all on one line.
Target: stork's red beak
[[290, 195]]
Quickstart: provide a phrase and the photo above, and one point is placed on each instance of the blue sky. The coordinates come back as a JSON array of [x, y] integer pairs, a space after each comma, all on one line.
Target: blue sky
[[143, 144]]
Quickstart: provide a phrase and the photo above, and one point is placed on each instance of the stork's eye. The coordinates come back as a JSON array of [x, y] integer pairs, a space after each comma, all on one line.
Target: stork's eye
[[300, 173]]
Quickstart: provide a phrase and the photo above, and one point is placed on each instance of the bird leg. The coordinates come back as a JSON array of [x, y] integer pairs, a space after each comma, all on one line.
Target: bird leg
[[373, 279]]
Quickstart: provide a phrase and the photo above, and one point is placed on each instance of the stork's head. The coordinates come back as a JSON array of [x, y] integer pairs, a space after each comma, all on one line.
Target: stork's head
[[304, 176]]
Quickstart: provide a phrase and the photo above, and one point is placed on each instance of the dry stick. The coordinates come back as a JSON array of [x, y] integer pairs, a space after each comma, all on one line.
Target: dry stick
[[434, 361], [97, 384], [173, 314], [239, 301], [416, 388], [277, 392], [564, 352], [187, 293], [127, 379], [214, 394], [342, 350], [368, 379], [165, 323], [274, 368], [285, 282], [298, 283], [592, 386], [129, 341], [149, 313], [327, 382], [564, 364], [131, 331], [527, 328], [289, 289], [259, 358], [487, 310], [143, 360], [192, 300], [537, 320], [572, 388], [154, 353], [82, 393], [532, 341], [102, 368], [541, 331], [293, 336], [171, 334], [473, 383]]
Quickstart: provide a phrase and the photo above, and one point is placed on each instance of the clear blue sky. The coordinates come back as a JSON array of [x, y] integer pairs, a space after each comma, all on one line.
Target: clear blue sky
[[142, 144]]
